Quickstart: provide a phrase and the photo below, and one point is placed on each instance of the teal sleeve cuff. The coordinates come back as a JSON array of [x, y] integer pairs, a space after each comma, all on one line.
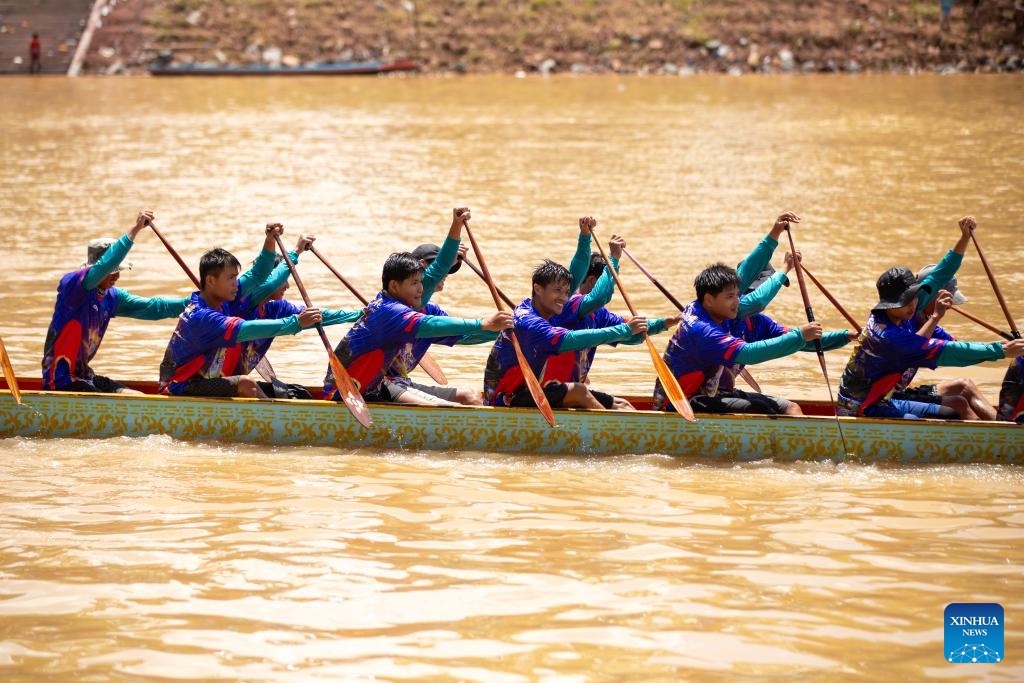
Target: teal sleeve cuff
[[943, 273], [601, 294], [153, 308], [758, 300], [107, 263], [580, 263], [770, 349], [446, 326], [961, 354], [655, 326], [257, 275], [830, 340], [584, 339], [337, 317], [272, 327], [481, 337], [758, 259]]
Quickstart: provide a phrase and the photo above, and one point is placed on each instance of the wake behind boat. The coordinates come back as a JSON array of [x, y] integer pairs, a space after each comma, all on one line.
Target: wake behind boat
[[729, 437]]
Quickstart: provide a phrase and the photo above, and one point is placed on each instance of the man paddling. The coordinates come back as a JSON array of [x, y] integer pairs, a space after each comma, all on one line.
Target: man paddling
[[204, 352], [553, 328], [267, 302], [892, 343], [961, 394], [712, 342], [438, 263], [585, 313], [395, 319], [87, 299]]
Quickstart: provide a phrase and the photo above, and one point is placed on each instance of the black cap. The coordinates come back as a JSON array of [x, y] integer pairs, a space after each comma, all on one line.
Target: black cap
[[760, 280], [896, 288], [428, 252]]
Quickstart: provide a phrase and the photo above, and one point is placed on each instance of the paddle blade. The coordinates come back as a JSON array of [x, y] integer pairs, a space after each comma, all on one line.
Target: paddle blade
[[265, 371], [669, 383], [12, 381], [349, 394], [749, 379], [533, 384], [431, 367]]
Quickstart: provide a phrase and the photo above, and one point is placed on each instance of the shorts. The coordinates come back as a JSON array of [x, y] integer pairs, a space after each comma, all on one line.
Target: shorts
[[737, 401], [393, 387], [555, 393], [98, 384], [910, 410], [926, 393], [217, 387]]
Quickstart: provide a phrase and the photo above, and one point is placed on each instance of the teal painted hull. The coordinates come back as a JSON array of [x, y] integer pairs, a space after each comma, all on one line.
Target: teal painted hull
[[497, 430]]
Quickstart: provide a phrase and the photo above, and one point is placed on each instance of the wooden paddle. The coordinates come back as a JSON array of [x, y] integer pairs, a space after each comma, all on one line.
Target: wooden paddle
[[174, 255], [987, 326], [342, 380], [839, 307], [532, 383], [817, 342], [263, 367], [995, 287], [668, 381], [427, 362], [744, 373], [472, 266], [12, 381]]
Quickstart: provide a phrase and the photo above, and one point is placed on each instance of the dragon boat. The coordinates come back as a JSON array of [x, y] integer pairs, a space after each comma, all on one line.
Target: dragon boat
[[584, 433]]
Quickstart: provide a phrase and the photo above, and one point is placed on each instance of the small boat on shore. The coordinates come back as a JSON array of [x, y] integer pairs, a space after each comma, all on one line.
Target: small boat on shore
[[506, 430], [321, 69]]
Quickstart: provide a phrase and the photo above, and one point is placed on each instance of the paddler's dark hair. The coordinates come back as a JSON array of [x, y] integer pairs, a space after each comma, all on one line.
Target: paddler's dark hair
[[549, 272], [213, 262], [714, 279], [597, 264], [400, 266]]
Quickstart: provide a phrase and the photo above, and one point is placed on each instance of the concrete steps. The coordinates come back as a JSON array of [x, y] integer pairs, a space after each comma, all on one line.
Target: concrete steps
[[59, 24]]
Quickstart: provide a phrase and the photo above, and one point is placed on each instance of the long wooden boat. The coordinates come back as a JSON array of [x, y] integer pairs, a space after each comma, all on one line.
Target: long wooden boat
[[322, 69], [504, 430]]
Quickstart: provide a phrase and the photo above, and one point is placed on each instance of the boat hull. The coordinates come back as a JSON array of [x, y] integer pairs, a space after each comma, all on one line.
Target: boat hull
[[339, 69], [500, 430]]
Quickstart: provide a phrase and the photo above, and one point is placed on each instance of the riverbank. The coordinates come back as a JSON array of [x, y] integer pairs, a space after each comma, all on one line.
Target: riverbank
[[551, 36]]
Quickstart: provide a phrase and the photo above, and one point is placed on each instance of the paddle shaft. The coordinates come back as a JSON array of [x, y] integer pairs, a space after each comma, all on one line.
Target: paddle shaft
[[174, 255], [668, 380], [825, 292], [8, 369], [473, 267], [995, 287], [355, 293], [817, 342], [353, 400], [654, 280], [990, 328], [532, 383]]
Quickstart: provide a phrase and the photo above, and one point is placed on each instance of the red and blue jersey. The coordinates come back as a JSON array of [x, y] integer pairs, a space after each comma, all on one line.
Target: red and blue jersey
[[80, 319], [880, 357], [911, 372], [253, 351], [204, 344], [539, 339], [410, 353], [595, 320], [367, 351], [700, 351]]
